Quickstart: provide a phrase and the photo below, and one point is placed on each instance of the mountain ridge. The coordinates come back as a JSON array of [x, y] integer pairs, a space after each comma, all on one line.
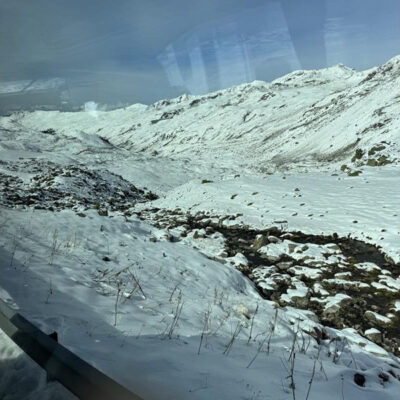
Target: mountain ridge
[[303, 119]]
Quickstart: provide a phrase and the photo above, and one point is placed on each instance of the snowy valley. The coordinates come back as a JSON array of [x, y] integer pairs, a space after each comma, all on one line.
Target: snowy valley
[[238, 245]]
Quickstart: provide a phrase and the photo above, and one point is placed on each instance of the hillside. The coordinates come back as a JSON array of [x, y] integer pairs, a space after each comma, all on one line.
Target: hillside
[[304, 119], [240, 244]]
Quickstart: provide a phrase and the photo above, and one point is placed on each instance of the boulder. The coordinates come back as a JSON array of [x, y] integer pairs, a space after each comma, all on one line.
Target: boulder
[[374, 335], [259, 242], [274, 239]]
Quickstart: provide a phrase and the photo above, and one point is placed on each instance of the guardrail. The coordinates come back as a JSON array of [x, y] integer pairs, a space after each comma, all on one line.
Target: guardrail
[[79, 377]]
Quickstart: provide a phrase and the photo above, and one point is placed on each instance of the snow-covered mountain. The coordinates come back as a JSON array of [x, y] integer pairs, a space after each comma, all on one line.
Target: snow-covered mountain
[[306, 118], [241, 244]]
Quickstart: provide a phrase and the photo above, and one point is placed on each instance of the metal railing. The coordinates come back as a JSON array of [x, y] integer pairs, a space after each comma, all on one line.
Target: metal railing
[[79, 377]]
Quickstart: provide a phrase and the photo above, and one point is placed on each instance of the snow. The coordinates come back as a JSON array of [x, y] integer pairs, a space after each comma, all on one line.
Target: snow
[[371, 330], [367, 266], [329, 203], [83, 312], [156, 308], [332, 303], [296, 295], [238, 260], [312, 273], [381, 286], [377, 317], [391, 283], [295, 125], [310, 253], [20, 376]]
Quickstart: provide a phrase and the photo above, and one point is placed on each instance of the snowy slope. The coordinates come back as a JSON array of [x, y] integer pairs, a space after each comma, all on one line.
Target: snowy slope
[[366, 207], [162, 293], [307, 118], [73, 291]]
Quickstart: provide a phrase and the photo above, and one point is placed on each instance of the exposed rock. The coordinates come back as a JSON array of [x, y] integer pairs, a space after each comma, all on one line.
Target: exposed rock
[[283, 266], [292, 247], [374, 335], [297, 297], [209, 230], [337, 278], [354, 173], [333, 306], [359, 379], [199, 234], [372, 162], [375, 149], [57, 187], [259, 242], [377, 319], [274, 239]]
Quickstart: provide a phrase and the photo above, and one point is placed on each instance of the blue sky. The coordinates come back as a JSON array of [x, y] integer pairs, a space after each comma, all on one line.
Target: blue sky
[[142, 51]]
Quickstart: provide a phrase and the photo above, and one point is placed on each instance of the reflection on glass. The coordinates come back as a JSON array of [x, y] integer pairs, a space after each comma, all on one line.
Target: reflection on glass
[[143, 52]]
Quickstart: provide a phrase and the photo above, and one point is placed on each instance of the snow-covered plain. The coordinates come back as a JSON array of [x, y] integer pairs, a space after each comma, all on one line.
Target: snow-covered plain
[[169, 315]]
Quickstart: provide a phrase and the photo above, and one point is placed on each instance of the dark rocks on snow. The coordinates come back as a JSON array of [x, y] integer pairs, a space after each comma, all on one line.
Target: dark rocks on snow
[[56, 187], [359, 379]]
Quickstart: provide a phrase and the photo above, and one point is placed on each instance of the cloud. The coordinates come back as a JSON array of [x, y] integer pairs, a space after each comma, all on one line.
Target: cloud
[[125, 49]]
